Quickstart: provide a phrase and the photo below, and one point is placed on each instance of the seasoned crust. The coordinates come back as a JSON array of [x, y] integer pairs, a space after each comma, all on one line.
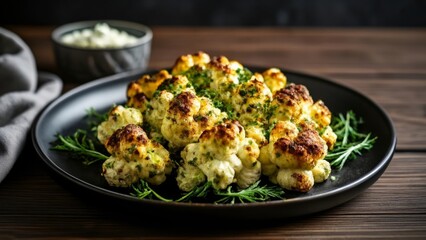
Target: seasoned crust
[[274, 79], [118, 117], [146, 84], [182, 104], [220, 63], [306, 149], [293, 94], [131, 133], [224, 133], [185, 62], [295, 179]]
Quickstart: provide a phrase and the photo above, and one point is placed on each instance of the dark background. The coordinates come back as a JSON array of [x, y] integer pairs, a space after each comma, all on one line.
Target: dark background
[[330, 13]]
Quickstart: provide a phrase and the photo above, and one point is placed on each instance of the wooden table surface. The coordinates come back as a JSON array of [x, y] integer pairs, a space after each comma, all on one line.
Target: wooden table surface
[[388, 65]]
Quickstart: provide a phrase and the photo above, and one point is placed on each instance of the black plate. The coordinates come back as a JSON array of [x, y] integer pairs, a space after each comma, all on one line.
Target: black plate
[[68, 112]]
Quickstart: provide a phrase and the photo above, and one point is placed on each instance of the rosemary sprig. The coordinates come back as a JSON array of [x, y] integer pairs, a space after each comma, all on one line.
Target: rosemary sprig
[[81, 145], [350, 141], [253, 193], [142, 190]]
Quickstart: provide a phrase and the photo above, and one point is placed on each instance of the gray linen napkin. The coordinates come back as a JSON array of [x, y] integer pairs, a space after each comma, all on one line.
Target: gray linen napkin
[[23, 93]]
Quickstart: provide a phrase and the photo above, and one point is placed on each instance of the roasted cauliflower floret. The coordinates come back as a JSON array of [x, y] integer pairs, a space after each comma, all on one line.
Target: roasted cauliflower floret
[[223, 140], [224, 155], [320, 114], [249, 104], [329, 137], [292, 150], [321, 171], [185, 62], [274, 79], [159, 104], [157, 109], [295, 104], [134, 156], [118, 117], [290, 103], [224, 77], [175, 85], [140, 91], [187, 117], [189, 176], [295, 179], [248, 153]]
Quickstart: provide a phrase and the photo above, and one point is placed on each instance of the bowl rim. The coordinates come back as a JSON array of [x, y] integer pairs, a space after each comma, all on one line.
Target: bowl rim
[[59, 31]]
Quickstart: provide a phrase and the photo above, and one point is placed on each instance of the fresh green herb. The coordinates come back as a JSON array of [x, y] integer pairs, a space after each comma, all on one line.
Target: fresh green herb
[[253, 193], [350, 141], [81, 145], [142, 190], [244, 75], [199, 78], [198, 192]]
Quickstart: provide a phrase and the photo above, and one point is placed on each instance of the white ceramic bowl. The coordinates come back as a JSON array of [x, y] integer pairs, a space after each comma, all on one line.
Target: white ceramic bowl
[[82, 64]]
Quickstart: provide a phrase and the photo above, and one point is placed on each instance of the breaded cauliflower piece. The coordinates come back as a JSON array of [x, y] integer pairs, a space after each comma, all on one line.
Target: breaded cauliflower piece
[[187, 117], [134, 156], [321, 171], [157, 109], [291, 103], [159, 104], [251, 170], [225, 77], [224, 155], [292, 150], [189, 176], [118, 117], [185, 62], [295, 179], [320, 114], [294, 103], [140, 91], [274, 79], [249, 105]]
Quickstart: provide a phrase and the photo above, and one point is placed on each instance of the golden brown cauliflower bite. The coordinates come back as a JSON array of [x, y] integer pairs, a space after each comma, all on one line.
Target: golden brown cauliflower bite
[[225, 77], [294, 103], [187, 117], [159, 104], [222, 156], [140, 91], [249, 104], [274, 79], [185, 62], [134, 156], [290, 103], [118, 117], [291, 154]]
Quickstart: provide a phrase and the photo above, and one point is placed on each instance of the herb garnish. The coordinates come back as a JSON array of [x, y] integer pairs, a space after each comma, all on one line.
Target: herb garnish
[[142, 190], [81, 145], [254, 193], [232, 195], [350, 141]]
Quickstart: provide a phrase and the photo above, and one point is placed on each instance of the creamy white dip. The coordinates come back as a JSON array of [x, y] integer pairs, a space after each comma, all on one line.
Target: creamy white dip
[[101, 36]]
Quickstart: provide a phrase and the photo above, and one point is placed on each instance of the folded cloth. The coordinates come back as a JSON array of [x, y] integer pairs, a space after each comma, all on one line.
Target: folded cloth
[[23, 93]]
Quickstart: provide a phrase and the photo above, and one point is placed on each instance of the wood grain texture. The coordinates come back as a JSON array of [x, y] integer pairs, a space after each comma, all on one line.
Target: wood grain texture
[[387, 65]]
